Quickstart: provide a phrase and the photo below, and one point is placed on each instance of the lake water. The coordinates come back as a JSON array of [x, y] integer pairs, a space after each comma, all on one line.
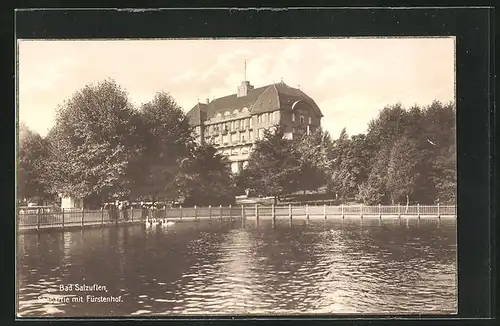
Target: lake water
[[235, 268]]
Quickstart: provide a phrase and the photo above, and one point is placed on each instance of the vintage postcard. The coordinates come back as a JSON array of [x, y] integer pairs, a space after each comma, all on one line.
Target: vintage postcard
[[273, 176]]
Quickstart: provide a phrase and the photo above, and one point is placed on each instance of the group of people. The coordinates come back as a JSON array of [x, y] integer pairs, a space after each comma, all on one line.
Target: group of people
[[117, 210], [120, 209]]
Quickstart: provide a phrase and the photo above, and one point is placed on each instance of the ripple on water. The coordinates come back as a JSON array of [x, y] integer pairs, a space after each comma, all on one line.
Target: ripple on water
[[224, 270]]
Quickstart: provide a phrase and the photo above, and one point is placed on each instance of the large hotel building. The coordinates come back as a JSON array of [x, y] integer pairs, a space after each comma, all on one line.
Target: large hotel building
[[233, 123]]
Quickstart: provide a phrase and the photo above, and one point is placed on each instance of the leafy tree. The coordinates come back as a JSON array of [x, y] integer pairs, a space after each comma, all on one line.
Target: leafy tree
[[205, 178], [314, 159], [166, 138], [93, 143], [374, 189], [403, 171], [445, 176], [33, 153], [340, 172], [274, 166]]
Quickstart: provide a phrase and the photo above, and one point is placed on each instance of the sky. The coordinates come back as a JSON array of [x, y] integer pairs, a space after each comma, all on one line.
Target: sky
[[351, 79]]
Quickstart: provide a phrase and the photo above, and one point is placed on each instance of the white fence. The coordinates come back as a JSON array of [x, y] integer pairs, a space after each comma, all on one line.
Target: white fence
[[257, 210], [40, 217]]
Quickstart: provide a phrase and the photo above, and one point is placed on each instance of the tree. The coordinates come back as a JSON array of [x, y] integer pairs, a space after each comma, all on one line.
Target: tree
[[33, 154], [204, 178], [274, 166], [94, 143], [340, 170], [374, 189], [403, 170], [313, 150], [166, 138]]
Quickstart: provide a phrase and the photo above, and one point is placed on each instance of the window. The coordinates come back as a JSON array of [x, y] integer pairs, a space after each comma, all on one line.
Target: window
[[301, 119], [293, 117], [261, 133], [250, 121], [242, 136], [269, 117], [310, 120], [276, 116]]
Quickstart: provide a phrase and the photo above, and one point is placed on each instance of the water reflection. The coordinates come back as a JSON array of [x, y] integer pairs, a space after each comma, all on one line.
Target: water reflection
[[214, 267]]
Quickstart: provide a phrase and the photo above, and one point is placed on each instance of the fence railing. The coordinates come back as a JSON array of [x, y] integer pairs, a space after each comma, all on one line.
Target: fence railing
[[53, 217], [49, 217]]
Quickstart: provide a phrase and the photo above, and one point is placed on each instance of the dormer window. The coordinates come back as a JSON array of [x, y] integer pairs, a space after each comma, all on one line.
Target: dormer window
[[310, 120], [301, 119]]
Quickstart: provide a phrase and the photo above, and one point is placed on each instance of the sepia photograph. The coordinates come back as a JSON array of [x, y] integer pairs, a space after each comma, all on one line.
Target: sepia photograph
[[236, 177]]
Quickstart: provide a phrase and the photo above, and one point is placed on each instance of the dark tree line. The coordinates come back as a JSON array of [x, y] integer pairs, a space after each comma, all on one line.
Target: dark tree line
[[102, 147], [405, 156]]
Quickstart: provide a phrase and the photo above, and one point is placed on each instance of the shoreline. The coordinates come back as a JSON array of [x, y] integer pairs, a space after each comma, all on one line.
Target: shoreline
[[59, 227]]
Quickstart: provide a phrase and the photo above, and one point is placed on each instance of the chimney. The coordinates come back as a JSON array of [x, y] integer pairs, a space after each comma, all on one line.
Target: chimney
[[244, 88], [245, 85], [208, 100]]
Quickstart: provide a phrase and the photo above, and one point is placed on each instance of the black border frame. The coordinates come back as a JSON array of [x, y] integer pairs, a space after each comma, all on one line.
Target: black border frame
[[473, 28]]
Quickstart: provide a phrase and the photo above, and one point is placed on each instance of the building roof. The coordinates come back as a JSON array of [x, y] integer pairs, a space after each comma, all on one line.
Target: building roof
[[197, 114], [259, 100]]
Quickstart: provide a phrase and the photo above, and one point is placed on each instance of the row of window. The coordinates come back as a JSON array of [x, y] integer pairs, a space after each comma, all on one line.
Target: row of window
[[302, 118], [268, 117], [245, 123], [240, 137], [236, 151], [230, 126]]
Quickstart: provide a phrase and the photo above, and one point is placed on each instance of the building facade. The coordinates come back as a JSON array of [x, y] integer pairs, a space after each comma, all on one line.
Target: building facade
[[233, 123]]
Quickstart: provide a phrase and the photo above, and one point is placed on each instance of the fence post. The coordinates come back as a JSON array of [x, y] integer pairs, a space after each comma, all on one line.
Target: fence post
[[439, 214], [83, 215], [257, 212], [290, 211], [195, 215], [307, 211], [379, 212], [181, 210], [63, 217], [272, 211], [399, 210], [221, 212], [209, 212], [102, 215], [242, 212], [324, 210], [361, 211], [418, 211], [230, 215], [342, 210], [38, 219]]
